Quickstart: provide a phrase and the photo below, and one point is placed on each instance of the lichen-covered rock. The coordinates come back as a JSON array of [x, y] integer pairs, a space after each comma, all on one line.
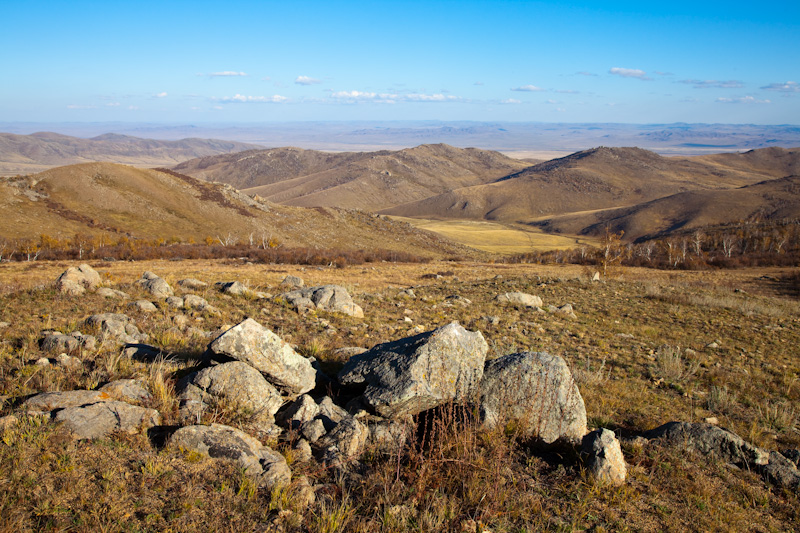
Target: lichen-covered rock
[[519, 299], [101, 419], [224, 442], [233, 386], [303, 409], [537, 391], [156, 286], [234, 288], [58, 343], [50, 401], [330, 298], [191, 301], [293, 281], [145, 306], [252, 343], [417, 373], [127, 390], [192, 284], [113, 294], [76, 280], [603, 457]]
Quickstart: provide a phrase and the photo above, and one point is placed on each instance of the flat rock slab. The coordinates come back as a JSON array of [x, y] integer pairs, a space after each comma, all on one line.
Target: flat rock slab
[[99, 420], [536, 390], [127, 390], [519, 299], [707, 439], [252, 343], [50, 401], [224, 442], [417, 373]]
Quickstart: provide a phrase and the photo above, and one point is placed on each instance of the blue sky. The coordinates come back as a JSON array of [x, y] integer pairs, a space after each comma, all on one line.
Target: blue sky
[[239, 61]]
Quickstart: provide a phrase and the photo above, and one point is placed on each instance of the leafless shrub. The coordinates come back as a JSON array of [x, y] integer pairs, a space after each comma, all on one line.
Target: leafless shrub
[[673, 367]]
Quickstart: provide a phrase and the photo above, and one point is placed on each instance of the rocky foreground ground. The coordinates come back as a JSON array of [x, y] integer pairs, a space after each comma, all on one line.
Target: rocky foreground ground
[[294, 419]]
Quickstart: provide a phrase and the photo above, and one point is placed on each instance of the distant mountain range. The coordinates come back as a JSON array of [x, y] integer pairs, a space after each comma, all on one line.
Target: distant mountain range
[[22, 154]]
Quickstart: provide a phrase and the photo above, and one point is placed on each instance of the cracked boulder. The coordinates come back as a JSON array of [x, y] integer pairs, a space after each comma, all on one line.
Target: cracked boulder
[[418, 373], [330, 298], [252, 343], [99, 420]]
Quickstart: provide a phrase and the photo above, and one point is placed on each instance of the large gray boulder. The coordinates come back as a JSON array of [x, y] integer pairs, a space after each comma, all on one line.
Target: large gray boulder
[[235, 387], [536, 390], [417, 373], [127, 390], [603, 456], [156, 286], [224, 442], [99, 420], [711, 440], [252, 343], [76, 280], [519, 299], [57, 343], [330, 298]]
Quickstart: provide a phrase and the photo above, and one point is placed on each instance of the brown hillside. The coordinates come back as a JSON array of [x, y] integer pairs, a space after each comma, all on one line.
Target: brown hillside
[[20, 154], [600, 178], [364, 180], [147, 203], [774, 199]]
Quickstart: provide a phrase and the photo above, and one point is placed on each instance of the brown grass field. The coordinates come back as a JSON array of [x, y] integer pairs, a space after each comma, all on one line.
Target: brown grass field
[[468, 479]]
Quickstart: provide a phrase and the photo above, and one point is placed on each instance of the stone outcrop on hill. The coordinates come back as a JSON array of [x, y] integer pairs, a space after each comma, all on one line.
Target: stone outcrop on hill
[[330, 298]]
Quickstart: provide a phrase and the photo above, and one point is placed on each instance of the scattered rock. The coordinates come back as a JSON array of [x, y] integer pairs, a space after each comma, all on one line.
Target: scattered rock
[[174, 302], [42, 361], [313, 430], [252, 343], [596, 276], [68, 361], [348, 351], [603, 457], [113, 294], [330, 298], [519, 299], [101, 419], [156, 286], [76, 280], [192, 284], [224, 442], [144, 306], [711, 440], [127, 390], [293, 281], [234, 288], [233, 386], [57, 343], [455, 299], [117, 328], [301, 451], [713, 420], [302, 410], [349, 437], [142, 352], [537, 390], [565, 310], [416, 373], [407, 293], [190, 301], [8, 422]]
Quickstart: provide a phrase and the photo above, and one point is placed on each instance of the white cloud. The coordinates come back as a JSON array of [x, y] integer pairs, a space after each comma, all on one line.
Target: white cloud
[[743, 100], [478, 83], [305, 80], [510, 101], [112, 104], [391, 98], [660, 73], [788, 87], [527, 88], [77, 106], [133, 108], [567, 91], [629, 73], [584, 73], [240, 98], [160, 95], [714, 84], [553, 102], [226, 74]]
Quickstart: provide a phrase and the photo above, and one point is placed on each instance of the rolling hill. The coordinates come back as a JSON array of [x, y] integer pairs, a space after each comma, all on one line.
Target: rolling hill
[[151, 203], [363, 180], [600, 178], [22, 154], [774, 199]]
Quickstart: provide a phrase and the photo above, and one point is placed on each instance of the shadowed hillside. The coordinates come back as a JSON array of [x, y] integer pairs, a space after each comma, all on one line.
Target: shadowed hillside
[[20, 154], [364, 180], [773, 199]]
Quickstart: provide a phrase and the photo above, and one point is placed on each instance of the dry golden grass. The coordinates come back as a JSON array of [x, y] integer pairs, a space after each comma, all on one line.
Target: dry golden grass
[[461, 477]]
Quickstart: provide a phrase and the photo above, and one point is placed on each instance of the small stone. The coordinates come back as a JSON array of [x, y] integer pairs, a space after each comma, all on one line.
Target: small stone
[[301, 451], [43, 361], [313, 430], [604, 457], [67, 361], [713, 420]]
